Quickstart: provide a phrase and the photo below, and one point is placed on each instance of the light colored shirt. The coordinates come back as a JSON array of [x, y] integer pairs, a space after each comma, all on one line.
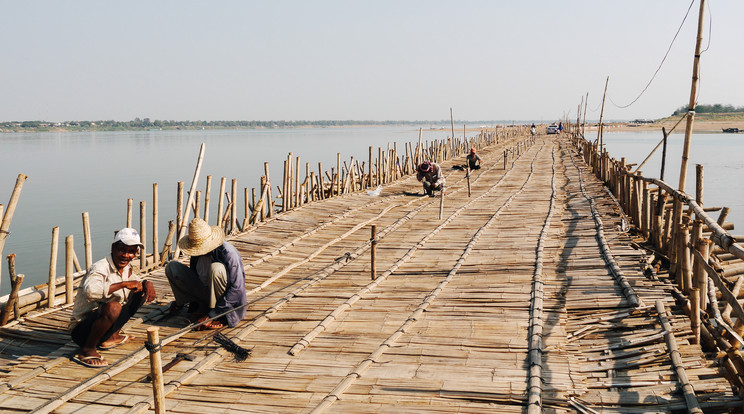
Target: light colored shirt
[[94, 288]]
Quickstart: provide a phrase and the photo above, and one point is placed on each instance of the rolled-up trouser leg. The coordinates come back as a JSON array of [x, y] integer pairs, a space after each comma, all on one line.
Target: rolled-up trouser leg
[[218, 283]]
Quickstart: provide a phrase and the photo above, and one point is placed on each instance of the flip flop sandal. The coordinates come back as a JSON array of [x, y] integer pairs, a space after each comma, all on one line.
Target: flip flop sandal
[[84, 360], [125, 339]]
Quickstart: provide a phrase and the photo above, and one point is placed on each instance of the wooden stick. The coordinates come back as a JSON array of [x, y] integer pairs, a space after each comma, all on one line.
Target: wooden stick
[[269, 198], [220, 202], [373, 250], [155, 241], [699, 184], [441, 202], [192, 194], [12, 303], [197, 203], [168, 242], [129, 212], [179, 203], [68, 269], [143, 236], [87, 242], [52, 285], [234, 209], [207, 190], [156, 369]]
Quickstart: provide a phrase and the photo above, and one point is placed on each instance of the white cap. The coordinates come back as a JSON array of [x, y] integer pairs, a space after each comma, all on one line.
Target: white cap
[[128, 236]]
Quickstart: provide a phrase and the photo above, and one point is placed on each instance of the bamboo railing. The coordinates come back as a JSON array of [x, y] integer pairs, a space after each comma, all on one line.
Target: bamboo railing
[[705, 262], [294, 192]]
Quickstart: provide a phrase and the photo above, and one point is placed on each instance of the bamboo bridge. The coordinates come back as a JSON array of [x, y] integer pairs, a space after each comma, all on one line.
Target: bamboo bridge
[[552, 279]]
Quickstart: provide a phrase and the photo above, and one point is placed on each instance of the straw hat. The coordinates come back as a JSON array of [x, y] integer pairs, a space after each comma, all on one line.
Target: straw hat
[[202, 238]]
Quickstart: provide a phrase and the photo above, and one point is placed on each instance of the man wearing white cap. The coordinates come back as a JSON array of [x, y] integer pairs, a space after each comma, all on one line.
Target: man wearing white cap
[[214, 281], [107, 297]]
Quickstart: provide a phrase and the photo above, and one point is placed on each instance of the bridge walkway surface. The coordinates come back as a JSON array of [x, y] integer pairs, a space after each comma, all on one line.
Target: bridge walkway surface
[[527, 293]]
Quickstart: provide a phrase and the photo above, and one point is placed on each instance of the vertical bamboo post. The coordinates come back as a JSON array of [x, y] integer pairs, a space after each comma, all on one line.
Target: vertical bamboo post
[[197, 203], [693, 98], [373, 252], [69, 262], [452, 121], [296, 183], [247, 211], [87, 242], [207, 190], [601, 115], [156, 369], [234, 210], [504, 160], [129, 212], [270, 199], [220, 201], [645, 210], [52, 286], [262, 213], [699, 184], [467, 175], [155, 239], [179, 203], [15, 285], [699, 274], [695, 314], [337, 176], [143, 236], [441, 202], [663, 153], [683, 258]]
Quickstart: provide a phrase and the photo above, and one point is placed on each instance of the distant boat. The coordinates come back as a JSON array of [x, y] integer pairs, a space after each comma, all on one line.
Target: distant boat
[[732, 130]]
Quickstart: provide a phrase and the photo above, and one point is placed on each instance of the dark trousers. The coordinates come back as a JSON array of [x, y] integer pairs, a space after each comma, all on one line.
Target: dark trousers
[[82, 330]]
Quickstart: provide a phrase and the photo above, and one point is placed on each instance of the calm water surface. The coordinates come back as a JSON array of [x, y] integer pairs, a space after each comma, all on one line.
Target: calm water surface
[[96, 172]]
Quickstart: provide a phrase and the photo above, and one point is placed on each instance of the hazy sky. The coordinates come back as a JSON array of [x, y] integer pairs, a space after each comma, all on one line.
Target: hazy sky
[[377, 60]]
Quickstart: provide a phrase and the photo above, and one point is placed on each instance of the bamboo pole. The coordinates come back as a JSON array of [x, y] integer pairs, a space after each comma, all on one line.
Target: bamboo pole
[[52, 285], [179, 203], [695, 304], [155, 239], [87, 241], [197, 203], [269, 198], [168, 242], [373, 252], [693, 98], [687, 390], [220, 202], [234, 209], [143, 236], [15, 285], [69, 250], [156, 369], [441, 202], [192, 194], [129, 212], [296, 183], [452, 122], [601, 115], [207, 191], [699, 184]]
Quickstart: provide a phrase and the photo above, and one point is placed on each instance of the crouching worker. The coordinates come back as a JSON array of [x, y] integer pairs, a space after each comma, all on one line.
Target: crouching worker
[[474, 160], [214, 281], [430, 175], [108, 296]]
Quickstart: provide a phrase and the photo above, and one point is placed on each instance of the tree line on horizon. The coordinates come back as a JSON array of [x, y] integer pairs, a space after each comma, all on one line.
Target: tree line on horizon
[[709, 109]]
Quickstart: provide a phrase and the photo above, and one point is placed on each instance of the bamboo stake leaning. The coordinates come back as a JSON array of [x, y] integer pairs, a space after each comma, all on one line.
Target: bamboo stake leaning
[[192, 194], [15, 285]]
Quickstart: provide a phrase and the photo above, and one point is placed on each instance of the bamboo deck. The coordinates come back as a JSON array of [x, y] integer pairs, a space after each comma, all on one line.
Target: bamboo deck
[[447, 326]]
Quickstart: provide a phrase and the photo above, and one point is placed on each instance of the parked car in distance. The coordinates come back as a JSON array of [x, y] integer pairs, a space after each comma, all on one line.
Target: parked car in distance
[[551, 129]]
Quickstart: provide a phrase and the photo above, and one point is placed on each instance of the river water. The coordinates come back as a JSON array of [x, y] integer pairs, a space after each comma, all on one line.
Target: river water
[[96, 172]]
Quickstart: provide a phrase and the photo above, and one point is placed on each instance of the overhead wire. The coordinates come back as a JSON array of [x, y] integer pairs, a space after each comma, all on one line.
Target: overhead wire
[[661, 63]]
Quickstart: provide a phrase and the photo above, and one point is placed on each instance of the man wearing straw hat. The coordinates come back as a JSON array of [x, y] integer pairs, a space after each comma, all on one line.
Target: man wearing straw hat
[[430, 175], [214, 282], [108, 296]]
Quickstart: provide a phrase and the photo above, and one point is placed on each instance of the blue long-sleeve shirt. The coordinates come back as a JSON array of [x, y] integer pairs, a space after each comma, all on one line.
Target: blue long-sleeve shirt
[[234, 296]]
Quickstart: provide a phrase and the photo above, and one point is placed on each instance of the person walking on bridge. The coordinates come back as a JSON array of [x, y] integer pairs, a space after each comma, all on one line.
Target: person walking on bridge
[[214, 281], [430, 175], [108, 296]]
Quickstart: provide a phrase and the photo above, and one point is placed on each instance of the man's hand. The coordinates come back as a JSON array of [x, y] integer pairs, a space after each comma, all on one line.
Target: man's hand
[[149, 289], [133, 285]]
